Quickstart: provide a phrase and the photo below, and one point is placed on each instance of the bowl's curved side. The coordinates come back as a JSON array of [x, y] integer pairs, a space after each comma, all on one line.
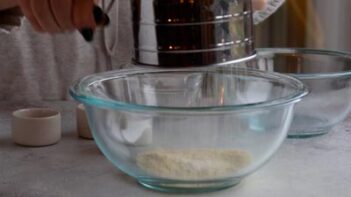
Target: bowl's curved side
[[258, 133]]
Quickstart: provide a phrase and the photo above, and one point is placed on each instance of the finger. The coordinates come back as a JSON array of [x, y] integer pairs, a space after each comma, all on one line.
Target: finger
[[62, 12], [26, 9], [258, 4], [43, 14], [83, 14]]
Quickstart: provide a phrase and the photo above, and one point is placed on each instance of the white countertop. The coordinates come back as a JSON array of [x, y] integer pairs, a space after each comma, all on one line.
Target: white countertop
[[313, 167]]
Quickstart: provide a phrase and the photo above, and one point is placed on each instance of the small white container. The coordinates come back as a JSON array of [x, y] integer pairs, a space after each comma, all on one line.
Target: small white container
[[36, 127], [82, 123]]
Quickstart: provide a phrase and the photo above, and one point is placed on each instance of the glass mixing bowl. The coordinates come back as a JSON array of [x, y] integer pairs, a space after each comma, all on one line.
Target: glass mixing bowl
[[188, 130], [327, 75]]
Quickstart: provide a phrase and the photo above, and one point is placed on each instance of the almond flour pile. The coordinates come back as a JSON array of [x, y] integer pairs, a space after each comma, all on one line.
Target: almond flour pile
[[193, 164]]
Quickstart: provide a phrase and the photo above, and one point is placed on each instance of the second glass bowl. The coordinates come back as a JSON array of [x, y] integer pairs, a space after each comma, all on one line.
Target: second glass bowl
[[327, 75]]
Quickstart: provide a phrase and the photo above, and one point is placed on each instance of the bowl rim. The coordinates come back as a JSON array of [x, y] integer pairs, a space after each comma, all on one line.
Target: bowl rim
[[78, 93], [261, 52]]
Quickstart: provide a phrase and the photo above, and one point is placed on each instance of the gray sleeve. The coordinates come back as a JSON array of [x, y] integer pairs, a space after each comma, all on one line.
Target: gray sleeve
[[10, 19]]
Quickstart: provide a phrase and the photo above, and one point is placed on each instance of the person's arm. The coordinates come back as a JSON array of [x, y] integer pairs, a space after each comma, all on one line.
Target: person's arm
[[7, 4], [60, 15]]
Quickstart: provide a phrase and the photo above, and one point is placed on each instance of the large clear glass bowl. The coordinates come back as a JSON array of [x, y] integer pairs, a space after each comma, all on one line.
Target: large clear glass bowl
[[327, 75], [189, 130]]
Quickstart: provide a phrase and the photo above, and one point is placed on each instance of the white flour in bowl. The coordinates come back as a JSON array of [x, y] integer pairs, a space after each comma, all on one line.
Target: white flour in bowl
[[193, 164]]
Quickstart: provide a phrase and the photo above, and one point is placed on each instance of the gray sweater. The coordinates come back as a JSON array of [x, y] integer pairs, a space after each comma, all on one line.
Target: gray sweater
[[37, 66]]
